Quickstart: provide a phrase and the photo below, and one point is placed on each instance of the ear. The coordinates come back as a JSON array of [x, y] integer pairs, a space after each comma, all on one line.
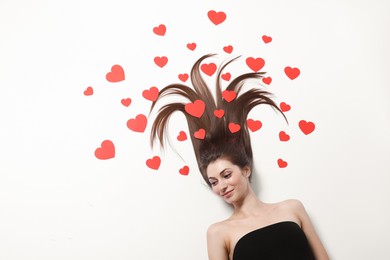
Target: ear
[[247, 171]]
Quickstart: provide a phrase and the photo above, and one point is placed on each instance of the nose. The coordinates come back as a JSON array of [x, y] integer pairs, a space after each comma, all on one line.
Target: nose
[[222, 187]]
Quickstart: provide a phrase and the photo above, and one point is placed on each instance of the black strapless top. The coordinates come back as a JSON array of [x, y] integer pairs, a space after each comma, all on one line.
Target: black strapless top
[[280, 241]]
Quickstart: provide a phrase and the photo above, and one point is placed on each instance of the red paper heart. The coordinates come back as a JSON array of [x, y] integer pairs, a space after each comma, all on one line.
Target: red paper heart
[[153, 163], [88, 91], [282, 163], [200, 134], [267, 80], [182, 136], [266, 39], [228, 49], [284, 107], [160, 30], [219, 113], [283, 136], [216, 17], [183, 77], [138, 124], [229, 95], [208, 69], [116, 74], [105, 151], [191, 46], [195, 109], [126, 102], [254, 125], [306, 127], [234, 127], [151, 94], [292, 73], [161, 61], [255, 64], [185, 170], [226, 76]]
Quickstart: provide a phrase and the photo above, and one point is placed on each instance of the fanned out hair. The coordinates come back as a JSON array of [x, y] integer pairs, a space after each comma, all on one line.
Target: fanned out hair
[[219, 141]]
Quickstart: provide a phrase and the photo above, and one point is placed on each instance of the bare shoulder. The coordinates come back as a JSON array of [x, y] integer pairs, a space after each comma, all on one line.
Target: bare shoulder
[[216, 241], [294, 205]]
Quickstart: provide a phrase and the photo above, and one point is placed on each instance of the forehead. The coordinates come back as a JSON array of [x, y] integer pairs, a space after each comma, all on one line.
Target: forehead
[[216, 167]]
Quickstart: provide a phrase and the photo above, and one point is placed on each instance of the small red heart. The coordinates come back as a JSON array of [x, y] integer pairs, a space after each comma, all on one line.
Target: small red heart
[[306, 127], [208, 69], [216, 17], [151, 94], [219, 113], [200, 134], [183, 77], [126, 102], [284, 107], [228, 49], [105, 151], [160, 30], [282, 164], [153, 163], [229, 95], [234, 127], [267, 80], [116, 74], [161, 61], [283, 136], [185, 170], [88, 91], [292, 73], [191, 46], [255, 64], [226, 76], [266, 39], [138, 124], [182, 136], [195, 109], [254, 125]]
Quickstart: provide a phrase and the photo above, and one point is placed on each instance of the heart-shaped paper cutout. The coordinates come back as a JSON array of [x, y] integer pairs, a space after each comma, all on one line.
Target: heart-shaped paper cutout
[[160, 30], [216, 17], [254, 125], [266, 39], [126, 102], [191, 46], [285, 107], [283, 136], [233, 127], [88, 91], [219, 113], [153, 163], [161, 61], [226, 76], [105, 151], [208, 69], [182, 136], [116, 74], [137, 124], [195, 109], [183, 77], [306, 127], [185, 170], [255, 64], [200, 134], [267, 80], [228, 49], [229, 95], [282, 163], [151, 93], [292, 73]]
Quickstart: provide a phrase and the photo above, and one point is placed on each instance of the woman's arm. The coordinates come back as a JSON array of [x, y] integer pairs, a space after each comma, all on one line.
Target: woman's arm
[[216, 246]]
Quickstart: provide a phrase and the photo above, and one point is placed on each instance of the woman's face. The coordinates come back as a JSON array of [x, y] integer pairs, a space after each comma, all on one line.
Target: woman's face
[[228, 180]]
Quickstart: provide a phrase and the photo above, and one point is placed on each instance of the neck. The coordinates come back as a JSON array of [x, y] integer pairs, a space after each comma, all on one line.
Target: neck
[[249, 204]]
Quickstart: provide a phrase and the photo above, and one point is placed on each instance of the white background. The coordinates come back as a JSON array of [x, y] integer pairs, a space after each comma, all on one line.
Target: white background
[[58, 201]]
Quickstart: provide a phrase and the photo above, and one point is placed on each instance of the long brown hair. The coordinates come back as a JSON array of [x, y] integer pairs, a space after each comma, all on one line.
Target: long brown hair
[[219, 141]]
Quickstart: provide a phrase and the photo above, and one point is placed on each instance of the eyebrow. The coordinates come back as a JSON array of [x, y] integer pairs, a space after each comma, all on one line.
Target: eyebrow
[[222, 172]]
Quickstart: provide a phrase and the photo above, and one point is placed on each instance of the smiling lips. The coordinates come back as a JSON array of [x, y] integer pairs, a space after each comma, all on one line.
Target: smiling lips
[[228, 194]]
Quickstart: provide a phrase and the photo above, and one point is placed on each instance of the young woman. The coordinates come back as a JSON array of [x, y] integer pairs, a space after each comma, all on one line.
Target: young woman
[[221, 141]]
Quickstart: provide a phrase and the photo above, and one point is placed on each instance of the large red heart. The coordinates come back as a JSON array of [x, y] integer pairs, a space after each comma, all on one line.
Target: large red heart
[[255, 64], [216, 17], [153, 163], [151, 94], [267, 80], [182, 136], [228, 49], [183, 77], [233, 127], [88, 91], [306, 127], [282, 163], [200, 134], [226, 76], [191, 46], [161, 61], [292, 73], [219, 113], [266, 39], [254, 125], [116, 74], [126, 102], [284, 107], [195, 109], [138, 124], [208, 69], [160, 30], [105, 151], [283, 136], [229, 95], [185, 170]]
